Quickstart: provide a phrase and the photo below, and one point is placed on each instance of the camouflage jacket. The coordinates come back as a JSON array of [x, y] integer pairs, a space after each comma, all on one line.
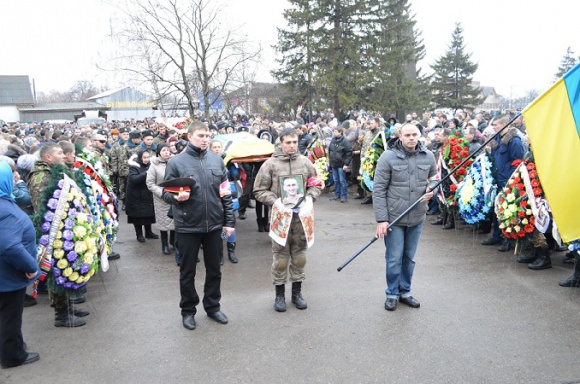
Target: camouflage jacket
[[119, 159], [37, 180]]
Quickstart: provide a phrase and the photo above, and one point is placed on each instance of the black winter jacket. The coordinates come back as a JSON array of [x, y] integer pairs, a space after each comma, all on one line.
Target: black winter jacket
[[139, 199], [340, 151], [205, 211]]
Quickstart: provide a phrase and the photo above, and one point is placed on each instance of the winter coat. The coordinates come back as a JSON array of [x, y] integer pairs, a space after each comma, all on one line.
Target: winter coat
[[17, 248], [156, 175], [266, 185], [205, 210], [401, 178], [138, 199], [340, 152], [505, 151]]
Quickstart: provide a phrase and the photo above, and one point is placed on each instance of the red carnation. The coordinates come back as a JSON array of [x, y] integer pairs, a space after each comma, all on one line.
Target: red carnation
[[529, 228], [533, 174], [523, 203], [537, 191], [521, 214], [522, 193], [520, 187], [453, 188], [457, 133], [464, 154], [453, 141], [531, 166], [457, 148]]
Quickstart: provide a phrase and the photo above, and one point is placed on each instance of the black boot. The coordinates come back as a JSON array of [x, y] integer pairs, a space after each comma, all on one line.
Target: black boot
[[164, 243], [260, 222], [139, 233], [266, 224], [450, 222], [440, 219], [574, 280], [232, 252], [149, 233], [172, 239], [529, 257], [280, 301], [543, 262], [297, 298], [63, 317], [72, 310]]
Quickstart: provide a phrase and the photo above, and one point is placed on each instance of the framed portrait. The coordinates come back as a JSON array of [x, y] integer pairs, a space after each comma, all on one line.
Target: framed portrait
[[291, 188]]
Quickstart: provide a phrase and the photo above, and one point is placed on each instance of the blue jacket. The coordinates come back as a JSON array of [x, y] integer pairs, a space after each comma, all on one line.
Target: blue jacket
[[505, 151], [17, 248]]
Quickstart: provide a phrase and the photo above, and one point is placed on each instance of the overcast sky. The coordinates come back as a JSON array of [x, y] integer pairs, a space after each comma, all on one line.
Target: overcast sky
[[517, 45]]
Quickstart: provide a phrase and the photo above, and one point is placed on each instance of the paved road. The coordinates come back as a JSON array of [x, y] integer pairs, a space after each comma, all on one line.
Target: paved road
[[483, 319]]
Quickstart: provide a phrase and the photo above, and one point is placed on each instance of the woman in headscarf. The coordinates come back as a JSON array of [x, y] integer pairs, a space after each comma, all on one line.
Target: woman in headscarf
[[139, 199], [18, 269], [156, 175]]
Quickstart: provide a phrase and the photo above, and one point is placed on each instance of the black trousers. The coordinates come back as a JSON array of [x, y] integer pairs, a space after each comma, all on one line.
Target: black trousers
[[12, 351], [188, 244]]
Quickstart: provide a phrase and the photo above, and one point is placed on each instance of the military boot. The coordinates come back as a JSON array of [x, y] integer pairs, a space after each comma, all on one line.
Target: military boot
[[574, 280], [543, 261], [280, 301], [64, 317], [297, 298], [527, 258]]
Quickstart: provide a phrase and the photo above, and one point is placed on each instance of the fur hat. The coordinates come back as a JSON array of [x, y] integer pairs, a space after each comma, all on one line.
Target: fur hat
[[134, 135]]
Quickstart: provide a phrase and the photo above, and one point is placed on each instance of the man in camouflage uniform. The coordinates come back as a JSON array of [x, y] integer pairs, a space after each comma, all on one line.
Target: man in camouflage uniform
[[99, 149], [122, 156], [51, 154], [370, 135], [118, 165]]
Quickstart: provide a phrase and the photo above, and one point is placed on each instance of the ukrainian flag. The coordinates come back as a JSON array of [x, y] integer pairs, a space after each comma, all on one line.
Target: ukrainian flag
[[553, 125]]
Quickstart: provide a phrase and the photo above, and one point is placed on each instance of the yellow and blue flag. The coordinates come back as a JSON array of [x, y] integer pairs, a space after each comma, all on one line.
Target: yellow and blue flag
[[553, 125]]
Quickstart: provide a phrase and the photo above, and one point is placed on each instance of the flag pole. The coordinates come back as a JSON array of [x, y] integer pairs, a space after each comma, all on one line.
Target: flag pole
[[433, 189]]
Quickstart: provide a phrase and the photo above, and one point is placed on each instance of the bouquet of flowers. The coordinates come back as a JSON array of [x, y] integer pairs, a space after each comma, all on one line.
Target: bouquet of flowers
[[182, 125], [97, 165], [370, 159], [321, 165], [475, 194], [452, 154], [67, 243], [316, 153], [103, 201], [516, 203]]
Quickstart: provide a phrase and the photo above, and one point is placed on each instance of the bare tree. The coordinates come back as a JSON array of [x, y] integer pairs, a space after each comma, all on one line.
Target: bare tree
[[180, 46], [80, 91]]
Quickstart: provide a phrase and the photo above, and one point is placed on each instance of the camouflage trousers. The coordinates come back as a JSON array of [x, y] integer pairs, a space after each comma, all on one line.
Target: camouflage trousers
[[122, 187], [292, 256]]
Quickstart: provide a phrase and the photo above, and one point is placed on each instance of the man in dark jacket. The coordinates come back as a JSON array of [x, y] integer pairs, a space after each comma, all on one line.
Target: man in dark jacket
[[304, 138], [340, 151], [507, 151], [402, 174], [200, 216]]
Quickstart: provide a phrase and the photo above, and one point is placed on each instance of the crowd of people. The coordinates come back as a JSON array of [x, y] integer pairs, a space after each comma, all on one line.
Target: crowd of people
[[146, 163]]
